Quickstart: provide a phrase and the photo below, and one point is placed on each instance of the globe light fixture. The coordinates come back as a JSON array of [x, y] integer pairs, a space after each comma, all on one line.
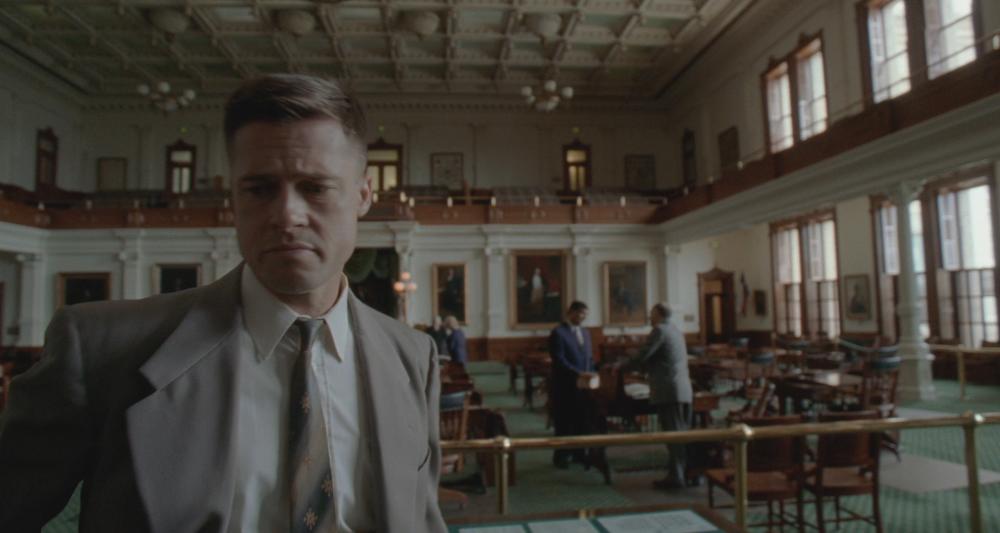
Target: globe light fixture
[[546, 97], [162, 98]]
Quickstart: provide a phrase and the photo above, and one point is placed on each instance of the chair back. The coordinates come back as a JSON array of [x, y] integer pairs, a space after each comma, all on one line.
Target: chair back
[[881, 379], [454, 422], [778, 454], [848, 449]]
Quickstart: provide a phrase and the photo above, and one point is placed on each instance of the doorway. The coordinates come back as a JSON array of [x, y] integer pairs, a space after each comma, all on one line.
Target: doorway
[[718, 306]]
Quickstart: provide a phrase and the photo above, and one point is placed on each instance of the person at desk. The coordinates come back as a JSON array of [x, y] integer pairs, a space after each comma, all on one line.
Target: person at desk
[[664, 359], [455, 341], [570, 350]]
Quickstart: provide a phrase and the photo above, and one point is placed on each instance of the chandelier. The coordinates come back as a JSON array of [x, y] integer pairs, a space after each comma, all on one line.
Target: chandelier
[[548, 96], [161, 97]]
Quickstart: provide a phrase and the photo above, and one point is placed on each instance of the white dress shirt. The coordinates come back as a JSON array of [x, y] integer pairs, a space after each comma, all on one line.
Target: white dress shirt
[[269, 347]]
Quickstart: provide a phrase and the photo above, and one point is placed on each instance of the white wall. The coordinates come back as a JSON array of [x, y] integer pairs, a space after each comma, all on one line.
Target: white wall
[[9, 279], [30, 101], [857, 255]]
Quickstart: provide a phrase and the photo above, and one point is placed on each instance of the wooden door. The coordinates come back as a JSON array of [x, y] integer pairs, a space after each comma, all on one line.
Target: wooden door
[[718, 306]]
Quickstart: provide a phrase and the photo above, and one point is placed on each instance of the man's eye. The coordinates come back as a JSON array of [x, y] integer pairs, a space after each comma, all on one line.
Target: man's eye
[[259, 190], [313, 188]]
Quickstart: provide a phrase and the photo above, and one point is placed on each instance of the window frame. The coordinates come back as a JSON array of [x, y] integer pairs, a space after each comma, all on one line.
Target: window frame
[[170, 166], [381, 144], [791, 61], [586, 165], [799, 224]]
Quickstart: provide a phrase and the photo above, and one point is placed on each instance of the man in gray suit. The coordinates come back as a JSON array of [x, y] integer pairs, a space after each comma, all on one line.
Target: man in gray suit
[[270, 400], [664, 359]]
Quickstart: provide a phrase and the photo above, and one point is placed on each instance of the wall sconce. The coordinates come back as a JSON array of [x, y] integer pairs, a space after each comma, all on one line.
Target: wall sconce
[[403, 287]]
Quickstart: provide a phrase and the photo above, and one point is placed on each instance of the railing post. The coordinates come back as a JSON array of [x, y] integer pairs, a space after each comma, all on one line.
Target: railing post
[[960, 359], [745, 433], [502, 477], [972, 468]]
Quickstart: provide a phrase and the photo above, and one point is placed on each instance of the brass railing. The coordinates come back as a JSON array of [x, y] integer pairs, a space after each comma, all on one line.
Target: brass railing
[[740, 435], [960, 353]]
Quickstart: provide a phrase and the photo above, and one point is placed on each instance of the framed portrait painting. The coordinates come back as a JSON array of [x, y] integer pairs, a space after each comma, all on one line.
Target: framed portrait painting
[[450, 289], [446, 169], [857, 297], [538, 289], [625, 293], [79, 287], [173, 277]]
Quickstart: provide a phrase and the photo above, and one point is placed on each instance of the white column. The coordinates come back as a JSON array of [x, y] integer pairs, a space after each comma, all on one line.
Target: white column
[[915, 380], [495, 315], [33, 312], [134, 284]]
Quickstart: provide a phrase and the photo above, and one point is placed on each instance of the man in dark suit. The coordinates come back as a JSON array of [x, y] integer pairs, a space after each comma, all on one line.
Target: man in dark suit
[[217, 409], [455, 341], [570, 350], [664, 360]]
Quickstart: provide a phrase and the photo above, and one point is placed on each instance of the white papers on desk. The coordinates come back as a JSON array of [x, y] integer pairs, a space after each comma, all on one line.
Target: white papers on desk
[[637, 391], [562, 526], [665, 522], [493, 529]]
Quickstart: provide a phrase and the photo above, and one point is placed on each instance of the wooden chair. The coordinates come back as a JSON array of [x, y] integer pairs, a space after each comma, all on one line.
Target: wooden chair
[[454, 422], [756, 408], [846, 465], [878, 393], [774, 474]]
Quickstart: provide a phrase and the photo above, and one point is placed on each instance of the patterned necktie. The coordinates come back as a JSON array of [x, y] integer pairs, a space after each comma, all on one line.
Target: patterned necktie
[[310, 477]]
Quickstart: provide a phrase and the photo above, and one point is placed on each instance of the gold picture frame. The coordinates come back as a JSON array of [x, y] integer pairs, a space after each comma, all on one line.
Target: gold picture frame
[[539, 289], [80, 287], [447, 279], [625, 291], [173, 277]]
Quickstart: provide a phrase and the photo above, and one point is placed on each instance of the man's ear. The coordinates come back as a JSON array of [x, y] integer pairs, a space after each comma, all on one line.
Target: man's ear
[[365, 195]]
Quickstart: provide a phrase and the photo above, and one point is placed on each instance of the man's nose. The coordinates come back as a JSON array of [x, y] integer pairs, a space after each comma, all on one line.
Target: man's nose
[[288, 208]]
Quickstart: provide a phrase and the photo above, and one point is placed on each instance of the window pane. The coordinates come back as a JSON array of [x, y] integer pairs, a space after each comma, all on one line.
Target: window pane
[[181, 156], [779, 108], [948, 228], [950, 35], [888, 42], [371, 173], [390, 178], [976, 227], [383, 155], [576, 156], [812, 94]]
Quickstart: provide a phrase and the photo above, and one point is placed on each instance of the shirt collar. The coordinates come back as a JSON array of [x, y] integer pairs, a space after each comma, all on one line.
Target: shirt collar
[[267, 318]]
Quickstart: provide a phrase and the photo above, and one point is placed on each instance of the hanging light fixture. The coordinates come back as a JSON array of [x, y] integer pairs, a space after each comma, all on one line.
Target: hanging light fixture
[[547, 97], [161, 97]]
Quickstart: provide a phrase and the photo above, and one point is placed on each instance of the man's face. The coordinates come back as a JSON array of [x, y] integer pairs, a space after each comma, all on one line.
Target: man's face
[[299, 189], [655, 317], [577, 317]]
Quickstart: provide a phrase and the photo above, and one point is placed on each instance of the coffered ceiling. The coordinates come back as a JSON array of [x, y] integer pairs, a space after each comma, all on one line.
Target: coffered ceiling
[[605, 49]]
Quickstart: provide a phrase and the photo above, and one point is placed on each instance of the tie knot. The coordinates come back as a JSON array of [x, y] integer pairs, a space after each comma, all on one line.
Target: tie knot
[[307, 332]]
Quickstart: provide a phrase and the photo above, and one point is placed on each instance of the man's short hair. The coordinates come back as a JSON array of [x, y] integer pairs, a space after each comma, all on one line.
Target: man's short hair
[[291, 97], [663, 309], [577, 305]]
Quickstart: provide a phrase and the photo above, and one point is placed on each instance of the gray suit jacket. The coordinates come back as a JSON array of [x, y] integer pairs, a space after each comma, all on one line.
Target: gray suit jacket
[[138, 400], [664, 359]]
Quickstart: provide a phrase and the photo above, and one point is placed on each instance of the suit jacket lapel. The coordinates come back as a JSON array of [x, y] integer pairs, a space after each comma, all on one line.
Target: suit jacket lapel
[[393, 418], [181, 436]]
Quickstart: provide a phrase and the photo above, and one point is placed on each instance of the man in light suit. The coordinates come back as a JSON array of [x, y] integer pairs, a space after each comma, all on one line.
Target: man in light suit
[[270, 400], [664, 359], [570, 350]]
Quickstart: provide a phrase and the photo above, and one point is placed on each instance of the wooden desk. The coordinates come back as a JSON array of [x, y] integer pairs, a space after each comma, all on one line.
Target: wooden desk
[[463, 524]]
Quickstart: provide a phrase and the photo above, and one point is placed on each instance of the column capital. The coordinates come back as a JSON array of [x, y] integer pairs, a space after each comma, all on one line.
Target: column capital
[[495, 251], [906, 191], [28, 258], [581, 251]]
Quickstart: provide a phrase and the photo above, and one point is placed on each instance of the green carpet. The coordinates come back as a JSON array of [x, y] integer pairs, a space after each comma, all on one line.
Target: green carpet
[[541, 488]]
